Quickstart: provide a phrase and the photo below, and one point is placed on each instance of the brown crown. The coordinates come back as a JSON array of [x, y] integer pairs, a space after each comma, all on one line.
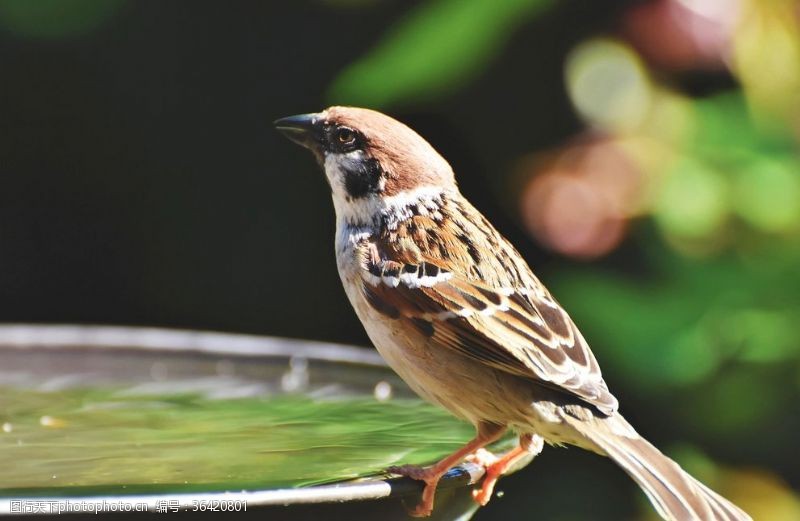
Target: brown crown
[[408, 160]]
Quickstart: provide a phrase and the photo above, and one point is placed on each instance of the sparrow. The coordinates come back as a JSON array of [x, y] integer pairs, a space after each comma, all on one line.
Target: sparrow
[[455, 310]]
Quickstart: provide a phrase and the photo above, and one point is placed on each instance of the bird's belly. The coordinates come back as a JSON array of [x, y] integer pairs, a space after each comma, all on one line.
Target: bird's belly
[[438, 376], [406, 355]]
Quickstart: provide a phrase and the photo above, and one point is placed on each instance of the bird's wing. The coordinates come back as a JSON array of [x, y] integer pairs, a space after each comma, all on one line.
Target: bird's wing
[[513, 330]]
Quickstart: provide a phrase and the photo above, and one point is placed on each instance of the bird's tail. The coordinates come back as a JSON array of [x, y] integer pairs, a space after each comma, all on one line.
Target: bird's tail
[[675, 494]]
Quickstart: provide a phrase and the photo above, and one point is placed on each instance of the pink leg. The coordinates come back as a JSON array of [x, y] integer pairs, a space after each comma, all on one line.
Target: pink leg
[[502, 464], [487, 433]]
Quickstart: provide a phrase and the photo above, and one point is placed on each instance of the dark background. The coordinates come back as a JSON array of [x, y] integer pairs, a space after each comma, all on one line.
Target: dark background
[[141, 183]]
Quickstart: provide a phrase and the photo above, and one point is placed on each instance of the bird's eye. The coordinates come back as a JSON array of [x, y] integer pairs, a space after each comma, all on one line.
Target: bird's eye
[[346, 136]]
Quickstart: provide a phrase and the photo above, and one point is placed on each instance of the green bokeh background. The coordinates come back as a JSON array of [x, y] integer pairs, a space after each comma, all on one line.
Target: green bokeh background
[[142, 184]]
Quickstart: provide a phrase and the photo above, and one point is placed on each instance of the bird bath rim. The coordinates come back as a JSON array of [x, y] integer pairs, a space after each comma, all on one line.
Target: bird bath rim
[[66, 337]]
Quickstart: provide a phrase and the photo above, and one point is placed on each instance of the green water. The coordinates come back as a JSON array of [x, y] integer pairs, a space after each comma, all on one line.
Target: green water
[[90, 441]]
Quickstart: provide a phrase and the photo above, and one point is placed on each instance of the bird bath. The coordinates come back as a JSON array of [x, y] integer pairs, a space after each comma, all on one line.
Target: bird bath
[[169, 420]]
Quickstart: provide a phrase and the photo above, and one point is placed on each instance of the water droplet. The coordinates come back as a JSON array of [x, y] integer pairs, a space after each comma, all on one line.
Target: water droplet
[[49, 421], [383, 391], [298, 363], [296, 379]]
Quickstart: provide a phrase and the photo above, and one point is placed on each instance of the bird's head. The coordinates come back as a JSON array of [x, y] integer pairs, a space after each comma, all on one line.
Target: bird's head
[[373, 163]]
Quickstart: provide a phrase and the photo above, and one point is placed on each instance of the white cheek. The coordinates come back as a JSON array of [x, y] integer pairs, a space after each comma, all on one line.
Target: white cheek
[[334, 173]]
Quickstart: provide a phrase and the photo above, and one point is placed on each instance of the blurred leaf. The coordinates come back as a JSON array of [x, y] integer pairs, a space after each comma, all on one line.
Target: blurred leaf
[[726, 164], [693, 200], [351, 4], [768, 195], [735, 402], [55, 18], [699, 314], [697, 463], [691, 356], [765, 336], [608, 84], [438, 46], [766, 55], [725, 130], [763, 495], [632, 322]]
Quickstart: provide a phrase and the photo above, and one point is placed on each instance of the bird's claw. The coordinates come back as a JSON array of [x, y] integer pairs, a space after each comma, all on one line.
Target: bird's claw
[[411, 471], [482, 495], [428, 475], [421, 511], [482, 457]]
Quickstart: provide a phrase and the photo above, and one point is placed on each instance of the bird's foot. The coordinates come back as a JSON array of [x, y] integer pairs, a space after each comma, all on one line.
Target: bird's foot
[[430, 476], [487, 433], [423, 509], [482, 457], [493, 473], [496, 467], [484, 494], [489, 462], [412, 471]]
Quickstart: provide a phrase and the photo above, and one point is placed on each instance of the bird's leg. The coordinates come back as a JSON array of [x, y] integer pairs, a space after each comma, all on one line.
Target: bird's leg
[[482, 458], [528, 444], [487, 433]]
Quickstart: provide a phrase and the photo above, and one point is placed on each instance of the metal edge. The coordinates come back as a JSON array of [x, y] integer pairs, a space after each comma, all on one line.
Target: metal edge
[[361, 490], [60, 336]]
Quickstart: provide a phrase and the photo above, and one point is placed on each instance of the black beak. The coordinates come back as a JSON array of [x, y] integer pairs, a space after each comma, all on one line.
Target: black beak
[[300, 128]]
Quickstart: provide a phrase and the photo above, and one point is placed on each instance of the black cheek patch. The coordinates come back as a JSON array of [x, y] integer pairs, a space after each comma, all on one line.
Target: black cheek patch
[[363, 179]]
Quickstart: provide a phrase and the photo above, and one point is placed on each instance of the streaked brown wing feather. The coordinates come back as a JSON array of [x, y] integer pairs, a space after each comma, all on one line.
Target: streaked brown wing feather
[[518, 331]]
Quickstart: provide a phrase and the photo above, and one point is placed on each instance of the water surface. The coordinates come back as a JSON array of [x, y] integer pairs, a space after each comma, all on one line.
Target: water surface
[[91, 440]]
